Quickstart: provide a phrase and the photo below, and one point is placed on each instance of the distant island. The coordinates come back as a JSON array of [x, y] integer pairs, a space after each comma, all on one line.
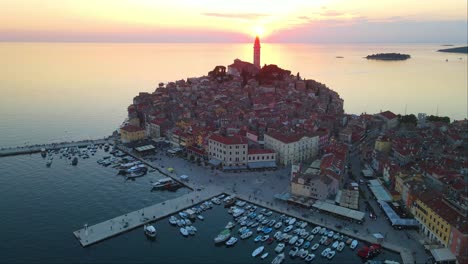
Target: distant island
[[388, 56], [456, 50]]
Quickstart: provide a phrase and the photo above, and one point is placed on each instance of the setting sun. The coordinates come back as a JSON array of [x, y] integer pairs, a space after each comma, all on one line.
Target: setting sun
[[259, 30]]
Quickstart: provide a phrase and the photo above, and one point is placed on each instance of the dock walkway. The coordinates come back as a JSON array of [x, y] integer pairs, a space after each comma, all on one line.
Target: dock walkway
[[120, 224], [37, 148]]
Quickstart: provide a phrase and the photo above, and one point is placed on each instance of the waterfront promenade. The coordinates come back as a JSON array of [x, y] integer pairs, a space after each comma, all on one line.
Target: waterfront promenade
[[89, 235], [52, 146]]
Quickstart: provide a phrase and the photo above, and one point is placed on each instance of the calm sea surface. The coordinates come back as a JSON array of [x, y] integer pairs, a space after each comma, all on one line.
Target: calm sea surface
[[52, 92], [41, 207]]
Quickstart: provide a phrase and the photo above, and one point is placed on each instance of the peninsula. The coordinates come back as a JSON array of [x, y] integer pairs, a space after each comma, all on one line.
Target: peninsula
[[463, 50], [388, 56]]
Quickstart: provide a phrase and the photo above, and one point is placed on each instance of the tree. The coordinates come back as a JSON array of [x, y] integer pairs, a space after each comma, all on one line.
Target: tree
[[433, 118], [408, 119]]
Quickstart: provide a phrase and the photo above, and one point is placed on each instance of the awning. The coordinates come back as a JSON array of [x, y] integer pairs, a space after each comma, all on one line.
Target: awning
[[214, 162], [394, 218], [145, 148], [343, 211], [262, 164], [234, 167], [443, 255]]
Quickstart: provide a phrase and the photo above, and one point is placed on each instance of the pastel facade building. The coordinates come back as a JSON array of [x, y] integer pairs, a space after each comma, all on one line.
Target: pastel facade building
[[292, 148], [130, 133]]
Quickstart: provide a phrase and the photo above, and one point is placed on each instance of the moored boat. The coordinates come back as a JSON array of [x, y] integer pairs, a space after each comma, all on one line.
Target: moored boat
[[150, 231], [264, 256], [293, 252], [331, 254], [173, 220], [222, 236], [315, 246], [278, 259], [184, 231], [231, 241], [341, 246], [310, 257], [258, 251], [354, 244], [279, 248]]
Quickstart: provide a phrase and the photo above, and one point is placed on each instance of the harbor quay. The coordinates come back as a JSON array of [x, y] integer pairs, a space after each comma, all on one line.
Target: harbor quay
[[92, 234], [261, 187], [4, 152]]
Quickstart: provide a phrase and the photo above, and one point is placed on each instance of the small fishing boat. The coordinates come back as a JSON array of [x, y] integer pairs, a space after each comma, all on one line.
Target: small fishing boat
[[310, 238], [278, 225], [222, 236], [293, 252], [258, 238], [150, 231], [331, 254], [354, 244], [173, 220], [229, 225], [299, 242], [341, 246], [293, 240], [231, 241], [278, 259], [184, 231], [310, 257], [307, 244], [264, 238], [325, 252], [316, 230], [246, 235], [264, 256], [279, 248], [315, 246], [258, 251], [304, 254], [200, 217], [288, 228]]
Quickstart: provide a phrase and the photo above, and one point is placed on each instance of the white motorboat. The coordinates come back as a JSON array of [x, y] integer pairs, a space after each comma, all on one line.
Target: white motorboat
[[150, 231], [278, 259], [335, 244], [330, 234], [184, 231], [258, 251], [310, 257], [292, 221], [200, 217], [304, 253], [180, 222], [231, 241], [325, 252], [279, 248], [190, 230], [322, 240], [159, 184], [323, 230], [264, 238], [222, 236], [336, 236], [258, 238], [246, 235], [293, 240], [293, 252], [264, 256], [354, 244], [188, 222], [242, 230], [183, 214], [230, 225], [173, 220], [277, 235], [304, 224], [299, 242], [271, 222], [316, 230], [278, 225], [310, 238], [331, 254], [340, 246], [288, 228], [315, 246]]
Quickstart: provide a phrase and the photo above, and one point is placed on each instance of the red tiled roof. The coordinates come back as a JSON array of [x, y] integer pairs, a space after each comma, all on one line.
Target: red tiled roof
[[159, 121], [130, 128], [285, 138], [260, 151], [234, 140], [389, 115], [435, 201]]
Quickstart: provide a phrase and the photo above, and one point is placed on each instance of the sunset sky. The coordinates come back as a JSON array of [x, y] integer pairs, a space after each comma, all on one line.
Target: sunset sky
[[442, 21]]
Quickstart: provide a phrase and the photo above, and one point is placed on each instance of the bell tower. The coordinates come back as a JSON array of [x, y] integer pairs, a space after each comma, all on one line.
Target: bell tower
[[256, 59]]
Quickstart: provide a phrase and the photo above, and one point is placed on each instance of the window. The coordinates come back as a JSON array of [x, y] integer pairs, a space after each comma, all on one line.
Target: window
[[249, 158]]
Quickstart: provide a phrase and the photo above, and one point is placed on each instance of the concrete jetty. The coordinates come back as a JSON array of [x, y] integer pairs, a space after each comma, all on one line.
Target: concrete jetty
[[53, 146], [89, 235]]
